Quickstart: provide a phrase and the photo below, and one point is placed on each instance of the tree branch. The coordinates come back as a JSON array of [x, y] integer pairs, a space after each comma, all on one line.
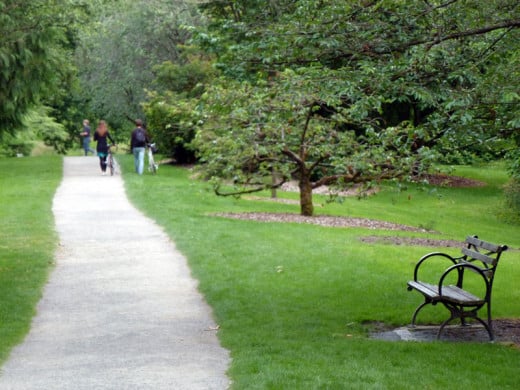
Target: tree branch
[[293, 156], [261, 187], [510, 24]]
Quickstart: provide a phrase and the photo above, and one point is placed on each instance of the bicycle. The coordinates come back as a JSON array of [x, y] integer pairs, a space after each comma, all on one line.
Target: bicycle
[[111, 161], [152, 165]]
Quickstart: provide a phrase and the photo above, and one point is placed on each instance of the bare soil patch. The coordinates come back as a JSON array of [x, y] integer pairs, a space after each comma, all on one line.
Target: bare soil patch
[[419, 241], [506, 330], [444, 180], [322, 220]]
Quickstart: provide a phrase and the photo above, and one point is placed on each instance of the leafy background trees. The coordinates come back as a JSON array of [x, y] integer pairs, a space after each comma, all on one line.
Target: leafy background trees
[[119, 50], [368, 89], [261, 92], [36, 44]]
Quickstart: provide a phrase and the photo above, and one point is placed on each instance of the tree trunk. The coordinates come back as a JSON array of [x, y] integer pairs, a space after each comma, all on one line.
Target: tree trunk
[[306, 206], [273, 182]]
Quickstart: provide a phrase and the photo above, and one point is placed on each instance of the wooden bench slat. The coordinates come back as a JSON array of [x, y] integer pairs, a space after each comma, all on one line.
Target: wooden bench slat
[[457, 295], [483, 244], [451, 293], [479, 256], [427, 289]]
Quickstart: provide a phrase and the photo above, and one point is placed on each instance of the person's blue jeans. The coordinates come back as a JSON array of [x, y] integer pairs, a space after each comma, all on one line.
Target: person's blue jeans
[[139, 159], [86, 146]]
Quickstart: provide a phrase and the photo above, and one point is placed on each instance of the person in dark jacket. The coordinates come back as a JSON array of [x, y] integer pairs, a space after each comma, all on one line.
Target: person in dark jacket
[[101, 135], [86, 137], [138, 142]]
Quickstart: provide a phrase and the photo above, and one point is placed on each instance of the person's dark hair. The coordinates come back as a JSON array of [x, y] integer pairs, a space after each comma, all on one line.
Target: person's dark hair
[[102, 128], [138, 122]]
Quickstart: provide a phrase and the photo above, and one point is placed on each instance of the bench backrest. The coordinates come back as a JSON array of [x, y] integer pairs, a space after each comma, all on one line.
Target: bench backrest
[[486, 253]]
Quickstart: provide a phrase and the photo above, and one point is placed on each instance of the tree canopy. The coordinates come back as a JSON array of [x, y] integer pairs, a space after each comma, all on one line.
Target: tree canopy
[[119, 49], [336, 92], [35, 44], [327, 92]]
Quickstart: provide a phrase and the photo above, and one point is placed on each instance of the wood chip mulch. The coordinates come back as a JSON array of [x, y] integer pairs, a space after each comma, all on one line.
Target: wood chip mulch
[[321, 220]]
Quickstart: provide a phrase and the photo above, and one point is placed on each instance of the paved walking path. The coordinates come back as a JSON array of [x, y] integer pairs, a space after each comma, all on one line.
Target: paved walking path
[[120, 310]]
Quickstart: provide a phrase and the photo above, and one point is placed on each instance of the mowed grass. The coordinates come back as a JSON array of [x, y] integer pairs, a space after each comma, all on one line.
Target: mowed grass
[[27, 240], [295, 302]]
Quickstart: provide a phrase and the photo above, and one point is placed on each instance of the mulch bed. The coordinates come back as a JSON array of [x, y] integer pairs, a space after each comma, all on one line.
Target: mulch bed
[[419, 241], [443, 180], [322, 220]]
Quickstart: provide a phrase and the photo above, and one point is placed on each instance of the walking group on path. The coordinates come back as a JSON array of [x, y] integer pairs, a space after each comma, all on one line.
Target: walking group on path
[[138, 141]]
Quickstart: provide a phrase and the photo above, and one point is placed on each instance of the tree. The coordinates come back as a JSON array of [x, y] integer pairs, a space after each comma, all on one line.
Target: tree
[[337, 92], [34, 48], [118, 51], [254, 132], [171, 108]]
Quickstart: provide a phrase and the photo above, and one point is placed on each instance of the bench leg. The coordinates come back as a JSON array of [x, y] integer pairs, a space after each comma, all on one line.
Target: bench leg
[[488, 328], [459, 312], [490, 323], [443, 325], [414, 317]]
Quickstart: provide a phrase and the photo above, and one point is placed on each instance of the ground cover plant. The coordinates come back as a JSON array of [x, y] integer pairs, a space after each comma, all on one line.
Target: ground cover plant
[[295, 301], [27, 240]]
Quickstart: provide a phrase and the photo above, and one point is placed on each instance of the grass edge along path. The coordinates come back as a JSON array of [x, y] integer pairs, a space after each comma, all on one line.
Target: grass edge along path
[[293, 300], [28, 240]]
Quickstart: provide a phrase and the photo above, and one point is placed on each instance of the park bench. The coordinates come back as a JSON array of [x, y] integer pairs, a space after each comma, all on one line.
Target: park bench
[[460, 291]]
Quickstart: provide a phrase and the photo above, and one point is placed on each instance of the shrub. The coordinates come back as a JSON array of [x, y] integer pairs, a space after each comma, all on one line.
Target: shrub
[[13, 146]]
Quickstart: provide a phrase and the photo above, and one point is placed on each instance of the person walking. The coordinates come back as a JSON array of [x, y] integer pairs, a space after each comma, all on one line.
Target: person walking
[[138, 142], [101, 136], [86, 137]]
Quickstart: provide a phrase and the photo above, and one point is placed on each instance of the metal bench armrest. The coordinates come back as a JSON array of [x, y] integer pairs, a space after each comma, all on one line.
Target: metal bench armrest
[[459, 268], [454, 260]]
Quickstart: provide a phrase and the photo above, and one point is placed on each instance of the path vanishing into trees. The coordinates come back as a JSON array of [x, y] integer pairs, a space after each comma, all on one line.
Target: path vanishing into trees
[[120, 310]]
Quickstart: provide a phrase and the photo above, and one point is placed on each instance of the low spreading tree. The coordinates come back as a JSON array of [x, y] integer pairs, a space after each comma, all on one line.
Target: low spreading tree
[[261, 136], [340, 92]]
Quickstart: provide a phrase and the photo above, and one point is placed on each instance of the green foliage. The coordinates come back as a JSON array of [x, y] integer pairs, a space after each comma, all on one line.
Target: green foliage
[[514, 156], [37, 124], [34, 55], [171, 110], [512, 197], [118, 50], [186, 79], [47, 129], [171, 124], [13, 145], [398, 82]]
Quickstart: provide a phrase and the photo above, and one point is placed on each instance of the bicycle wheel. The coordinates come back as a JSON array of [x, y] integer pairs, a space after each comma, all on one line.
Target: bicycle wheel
[[153, 166], [111, 164]]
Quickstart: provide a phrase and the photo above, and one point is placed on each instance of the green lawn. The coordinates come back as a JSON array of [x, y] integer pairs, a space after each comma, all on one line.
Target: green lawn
[[293, 300], [27, 240]]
